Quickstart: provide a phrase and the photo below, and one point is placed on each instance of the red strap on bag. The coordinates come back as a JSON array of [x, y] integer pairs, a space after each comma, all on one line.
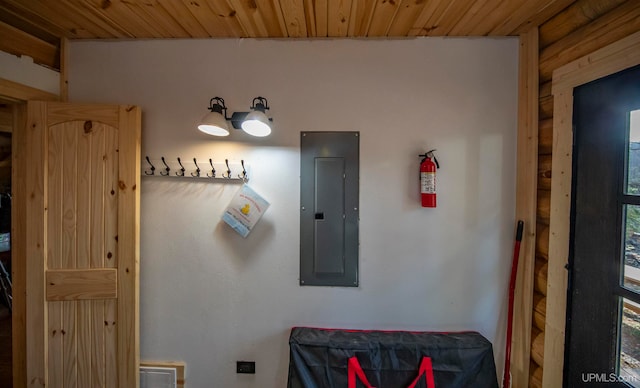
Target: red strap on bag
[[426, 369], [354, 370]]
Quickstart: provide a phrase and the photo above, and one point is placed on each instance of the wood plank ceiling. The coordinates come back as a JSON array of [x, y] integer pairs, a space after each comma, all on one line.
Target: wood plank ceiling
[[146, 19], [36, 27]]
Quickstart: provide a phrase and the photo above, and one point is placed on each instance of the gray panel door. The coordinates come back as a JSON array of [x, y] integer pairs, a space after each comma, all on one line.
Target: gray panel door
[[329, 175]]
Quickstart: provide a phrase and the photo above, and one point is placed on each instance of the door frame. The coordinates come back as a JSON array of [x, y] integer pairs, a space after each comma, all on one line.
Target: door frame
[[611, 59], [19, 94]]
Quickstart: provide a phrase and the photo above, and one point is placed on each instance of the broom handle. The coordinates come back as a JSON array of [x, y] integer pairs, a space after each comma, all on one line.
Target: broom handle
[[512, 288]]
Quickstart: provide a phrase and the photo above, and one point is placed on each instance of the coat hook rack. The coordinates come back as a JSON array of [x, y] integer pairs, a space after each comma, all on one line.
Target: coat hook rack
[[233, 171]]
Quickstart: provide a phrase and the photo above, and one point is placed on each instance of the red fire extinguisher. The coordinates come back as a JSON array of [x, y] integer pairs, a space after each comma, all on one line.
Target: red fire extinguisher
[[428, 167]]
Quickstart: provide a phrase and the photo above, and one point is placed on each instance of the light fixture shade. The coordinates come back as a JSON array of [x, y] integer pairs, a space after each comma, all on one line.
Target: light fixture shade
[[256, 124], [214, 123]]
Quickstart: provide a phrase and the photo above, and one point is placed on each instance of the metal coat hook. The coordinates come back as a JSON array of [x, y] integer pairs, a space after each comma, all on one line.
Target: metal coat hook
[[182, 170], [243, 176], [153, 168], [167, 168], [213, 170], [228, 176], [197, 173]]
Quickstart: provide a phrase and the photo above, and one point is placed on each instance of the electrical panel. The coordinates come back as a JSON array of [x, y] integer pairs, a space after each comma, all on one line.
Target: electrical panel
[[329, 208]]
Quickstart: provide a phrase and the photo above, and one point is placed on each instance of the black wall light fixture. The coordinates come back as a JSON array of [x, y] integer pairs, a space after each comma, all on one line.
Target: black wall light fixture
[[254, 122]]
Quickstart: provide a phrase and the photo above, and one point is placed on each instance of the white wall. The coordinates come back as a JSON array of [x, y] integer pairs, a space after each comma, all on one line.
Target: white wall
[[24, 71], [210, 297]]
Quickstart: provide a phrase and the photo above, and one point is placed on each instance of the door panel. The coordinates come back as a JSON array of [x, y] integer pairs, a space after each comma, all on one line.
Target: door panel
[[82, 243]]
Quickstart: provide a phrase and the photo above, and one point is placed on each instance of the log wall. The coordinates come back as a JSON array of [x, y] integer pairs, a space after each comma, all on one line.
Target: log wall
[[580, 29]]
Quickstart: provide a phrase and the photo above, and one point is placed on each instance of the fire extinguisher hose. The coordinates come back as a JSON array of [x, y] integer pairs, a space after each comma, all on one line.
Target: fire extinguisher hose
[[512, 287]]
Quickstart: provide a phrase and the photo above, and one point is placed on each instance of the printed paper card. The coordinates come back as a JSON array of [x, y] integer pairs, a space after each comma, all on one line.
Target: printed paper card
[[244, 210]]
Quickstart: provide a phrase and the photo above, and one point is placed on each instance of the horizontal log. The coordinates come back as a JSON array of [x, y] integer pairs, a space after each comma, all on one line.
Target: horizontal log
[[543, 206], [577, 15], [522, 16], [544, 172], [537, 346], [545, 107], [540, 303], [545, 89], [539, 320], [545, 137], [620, 22], [535, 376], [542, 240], [539, 310], [540, 276]]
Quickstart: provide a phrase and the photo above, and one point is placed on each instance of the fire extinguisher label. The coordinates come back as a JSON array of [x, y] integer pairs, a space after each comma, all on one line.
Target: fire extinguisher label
[[428, 182]]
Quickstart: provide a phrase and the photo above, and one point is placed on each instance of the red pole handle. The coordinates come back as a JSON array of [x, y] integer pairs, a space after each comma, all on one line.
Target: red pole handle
[[512, 288]]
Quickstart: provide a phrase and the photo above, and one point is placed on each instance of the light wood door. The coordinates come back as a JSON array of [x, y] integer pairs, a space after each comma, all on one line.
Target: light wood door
[[82, 249]]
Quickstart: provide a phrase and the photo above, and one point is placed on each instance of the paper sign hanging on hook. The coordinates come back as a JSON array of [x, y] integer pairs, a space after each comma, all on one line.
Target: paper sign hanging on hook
[[245, 210]]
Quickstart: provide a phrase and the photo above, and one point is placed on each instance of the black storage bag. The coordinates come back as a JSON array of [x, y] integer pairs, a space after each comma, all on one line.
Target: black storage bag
[[389, 359]]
